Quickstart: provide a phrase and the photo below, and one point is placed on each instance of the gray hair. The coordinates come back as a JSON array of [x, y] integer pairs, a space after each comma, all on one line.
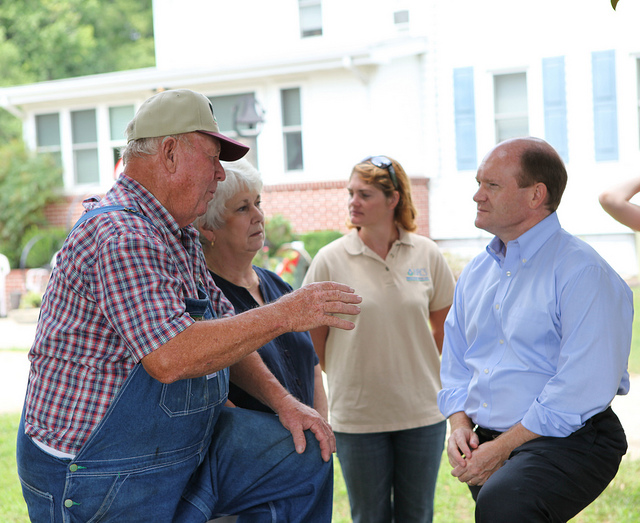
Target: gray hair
[[147, 146], [240, 175]]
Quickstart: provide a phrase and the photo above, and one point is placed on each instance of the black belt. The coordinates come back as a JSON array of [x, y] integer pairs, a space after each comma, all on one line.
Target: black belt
[[486, 434], [489, 434]]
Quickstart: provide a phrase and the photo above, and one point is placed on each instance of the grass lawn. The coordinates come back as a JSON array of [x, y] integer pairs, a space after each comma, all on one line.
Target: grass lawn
[[619, 503]]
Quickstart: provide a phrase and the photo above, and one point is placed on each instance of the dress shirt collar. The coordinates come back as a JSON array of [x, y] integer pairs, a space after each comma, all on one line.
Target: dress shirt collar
[[529, 242]]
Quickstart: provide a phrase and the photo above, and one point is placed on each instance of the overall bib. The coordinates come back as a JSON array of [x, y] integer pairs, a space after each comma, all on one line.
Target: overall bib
[[172, 452]]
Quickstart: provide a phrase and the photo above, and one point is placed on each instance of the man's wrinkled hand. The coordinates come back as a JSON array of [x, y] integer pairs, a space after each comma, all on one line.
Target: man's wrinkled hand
[[317, 304], [297, 417]]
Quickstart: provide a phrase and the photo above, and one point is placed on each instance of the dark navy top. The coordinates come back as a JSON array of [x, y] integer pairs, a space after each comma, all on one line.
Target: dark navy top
[[290, 357]]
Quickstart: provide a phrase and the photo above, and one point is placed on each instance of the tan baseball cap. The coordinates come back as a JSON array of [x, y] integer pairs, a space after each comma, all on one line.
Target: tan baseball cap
[[179, 111]]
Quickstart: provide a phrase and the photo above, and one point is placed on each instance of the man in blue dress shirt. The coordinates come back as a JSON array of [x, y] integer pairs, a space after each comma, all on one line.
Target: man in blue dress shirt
[[536, 348]]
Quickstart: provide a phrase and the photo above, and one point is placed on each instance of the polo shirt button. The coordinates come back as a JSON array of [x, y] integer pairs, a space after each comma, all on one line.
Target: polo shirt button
[[73, 467], [387, 269], [484, 405], [68, 503], [486, 371]]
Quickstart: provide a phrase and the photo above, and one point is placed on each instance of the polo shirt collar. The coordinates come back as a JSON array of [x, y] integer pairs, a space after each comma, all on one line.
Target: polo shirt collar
[[354, 245]]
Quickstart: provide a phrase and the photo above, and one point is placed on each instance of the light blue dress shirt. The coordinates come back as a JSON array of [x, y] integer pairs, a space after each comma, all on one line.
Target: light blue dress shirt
[[539, 334]]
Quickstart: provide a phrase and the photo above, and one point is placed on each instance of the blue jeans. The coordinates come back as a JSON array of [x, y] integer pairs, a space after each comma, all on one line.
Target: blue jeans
[[391, 476], [250, 468], [173, 453]]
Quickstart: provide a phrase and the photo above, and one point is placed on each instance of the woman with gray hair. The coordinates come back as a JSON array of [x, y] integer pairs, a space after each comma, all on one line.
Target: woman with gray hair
[[232, 232]]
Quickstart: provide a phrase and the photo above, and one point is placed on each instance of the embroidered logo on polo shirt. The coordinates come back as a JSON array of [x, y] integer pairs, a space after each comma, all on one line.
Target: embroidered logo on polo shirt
[[418, 274]]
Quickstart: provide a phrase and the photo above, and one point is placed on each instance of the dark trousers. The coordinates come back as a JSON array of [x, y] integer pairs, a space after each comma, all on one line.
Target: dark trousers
[[552, 479]]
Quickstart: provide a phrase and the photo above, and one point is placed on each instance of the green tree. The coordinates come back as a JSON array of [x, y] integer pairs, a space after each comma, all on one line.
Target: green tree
[[44, 40], [27, 183], [51, 39]]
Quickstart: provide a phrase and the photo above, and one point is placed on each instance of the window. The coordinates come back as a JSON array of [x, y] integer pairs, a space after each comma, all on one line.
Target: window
[[84, 139], [292, 128], [511, 106], [310, 17], [48, 135], [119, 118], [465, 118], [401, 18], [229, 112], [555, 105], [605, 108]]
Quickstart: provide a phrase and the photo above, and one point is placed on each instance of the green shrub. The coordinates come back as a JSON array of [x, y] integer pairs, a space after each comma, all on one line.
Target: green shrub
[[278, 231], [31, 300], [28, 182], [315, 240], [40, 244]]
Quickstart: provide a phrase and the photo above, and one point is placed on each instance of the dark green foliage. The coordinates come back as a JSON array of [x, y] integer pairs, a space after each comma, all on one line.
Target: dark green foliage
[[44, 40], [40, 244], [315, 240], [27, 183], [51, 39], [278, 231]]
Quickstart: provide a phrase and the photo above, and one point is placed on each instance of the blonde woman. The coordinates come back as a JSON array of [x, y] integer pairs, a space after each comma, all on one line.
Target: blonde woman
[[384, 375]]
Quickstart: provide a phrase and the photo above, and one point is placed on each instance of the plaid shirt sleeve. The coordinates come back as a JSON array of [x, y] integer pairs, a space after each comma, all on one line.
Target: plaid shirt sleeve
[[141, 292]]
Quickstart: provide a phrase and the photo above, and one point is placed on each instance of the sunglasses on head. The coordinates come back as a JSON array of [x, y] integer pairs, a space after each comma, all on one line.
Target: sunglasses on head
[[384, 163]]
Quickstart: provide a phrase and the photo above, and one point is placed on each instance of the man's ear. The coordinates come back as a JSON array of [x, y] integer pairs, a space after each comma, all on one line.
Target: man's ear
[[539, 195], [169, 153]]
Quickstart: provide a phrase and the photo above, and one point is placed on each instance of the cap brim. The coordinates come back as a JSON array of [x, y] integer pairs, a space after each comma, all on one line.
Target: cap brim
[[230, 150]]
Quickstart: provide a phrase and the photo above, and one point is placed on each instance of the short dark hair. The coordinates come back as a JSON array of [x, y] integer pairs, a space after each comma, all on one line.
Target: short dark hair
[[540, 163]]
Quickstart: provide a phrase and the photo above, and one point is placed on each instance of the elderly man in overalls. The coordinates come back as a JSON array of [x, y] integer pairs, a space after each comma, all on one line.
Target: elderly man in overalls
[[124, 418]]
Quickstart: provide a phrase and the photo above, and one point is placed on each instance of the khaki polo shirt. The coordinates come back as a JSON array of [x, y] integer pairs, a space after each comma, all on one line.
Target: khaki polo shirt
[[385, 374]]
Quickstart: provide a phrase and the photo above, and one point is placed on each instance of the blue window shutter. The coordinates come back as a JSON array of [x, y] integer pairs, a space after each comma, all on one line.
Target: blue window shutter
[[605, 110], [555, 105], [465, 118]]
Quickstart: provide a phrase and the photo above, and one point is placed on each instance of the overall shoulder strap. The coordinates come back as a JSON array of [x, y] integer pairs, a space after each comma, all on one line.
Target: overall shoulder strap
[[99, 210]]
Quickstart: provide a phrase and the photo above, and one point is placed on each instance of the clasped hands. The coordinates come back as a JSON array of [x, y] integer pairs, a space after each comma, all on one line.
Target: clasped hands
[[474, 463]]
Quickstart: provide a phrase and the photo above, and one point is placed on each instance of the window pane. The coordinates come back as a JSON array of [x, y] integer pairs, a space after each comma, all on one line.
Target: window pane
[[291, 107], [511, 128], [119, 118], [293, 150], [310, 18], [511, 93], [225, 107], [83, 126], [48, 130], [401, 17], [86, 165]]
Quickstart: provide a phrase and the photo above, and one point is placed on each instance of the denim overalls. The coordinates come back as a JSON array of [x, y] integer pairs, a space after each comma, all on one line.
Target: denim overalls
[[172, 452]]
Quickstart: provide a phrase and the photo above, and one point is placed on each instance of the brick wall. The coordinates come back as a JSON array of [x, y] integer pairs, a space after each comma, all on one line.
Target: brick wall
[[308, 206], [323, 205]]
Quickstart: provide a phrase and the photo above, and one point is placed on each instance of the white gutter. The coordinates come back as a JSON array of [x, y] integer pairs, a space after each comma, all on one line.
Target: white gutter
[[149, 79]]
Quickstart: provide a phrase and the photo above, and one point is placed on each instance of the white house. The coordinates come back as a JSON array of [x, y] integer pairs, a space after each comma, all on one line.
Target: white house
[[433, 84]]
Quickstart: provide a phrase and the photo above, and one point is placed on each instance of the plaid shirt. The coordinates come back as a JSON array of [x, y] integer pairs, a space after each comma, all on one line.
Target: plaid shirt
[[116, 294]]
